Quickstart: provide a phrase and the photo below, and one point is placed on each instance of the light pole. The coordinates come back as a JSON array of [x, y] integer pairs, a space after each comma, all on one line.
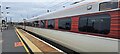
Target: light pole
[[0, 14], [6, 13], [0, 27], [24, 23]]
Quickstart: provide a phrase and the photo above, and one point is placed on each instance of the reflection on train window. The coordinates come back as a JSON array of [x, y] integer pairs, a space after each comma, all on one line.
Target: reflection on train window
[[108, 5], [64, 23], [51, 24], [95, 24], [42, 23], [36, 23], [21, 23]]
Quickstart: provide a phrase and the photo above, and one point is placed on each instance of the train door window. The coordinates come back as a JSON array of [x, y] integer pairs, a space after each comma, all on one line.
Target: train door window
[[108, 5], [51, 24], [83, 23], [95, 23], [42, 23], [64, 23]]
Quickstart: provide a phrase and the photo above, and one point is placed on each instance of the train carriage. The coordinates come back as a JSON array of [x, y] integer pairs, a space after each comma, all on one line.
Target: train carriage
[[88, 27]]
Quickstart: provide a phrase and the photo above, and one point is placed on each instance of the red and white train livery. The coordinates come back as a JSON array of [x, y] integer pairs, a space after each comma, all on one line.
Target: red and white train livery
[[84, 27]]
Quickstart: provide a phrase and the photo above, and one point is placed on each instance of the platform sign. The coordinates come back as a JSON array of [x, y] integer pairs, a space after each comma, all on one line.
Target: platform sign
[[18, 44]]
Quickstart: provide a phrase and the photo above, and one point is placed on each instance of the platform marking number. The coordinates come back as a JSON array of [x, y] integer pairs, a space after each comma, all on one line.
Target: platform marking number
[[18, 44]]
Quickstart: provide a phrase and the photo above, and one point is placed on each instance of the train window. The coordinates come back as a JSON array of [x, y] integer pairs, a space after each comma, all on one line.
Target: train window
[[95, 24], [51, 24], [108, 5], [21, 23], [29, 24], [3, 21], [64, 23], [42, 23], [36, 23]]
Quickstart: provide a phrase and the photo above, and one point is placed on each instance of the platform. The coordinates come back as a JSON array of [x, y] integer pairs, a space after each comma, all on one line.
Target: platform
[[18, 41], [10, 38], [0, 42]]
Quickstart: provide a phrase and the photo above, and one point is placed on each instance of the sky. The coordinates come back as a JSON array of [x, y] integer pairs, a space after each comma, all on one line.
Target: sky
[[25, 9]]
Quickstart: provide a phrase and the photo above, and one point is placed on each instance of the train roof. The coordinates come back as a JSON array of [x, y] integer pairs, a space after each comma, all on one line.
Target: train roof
[[77, 9]]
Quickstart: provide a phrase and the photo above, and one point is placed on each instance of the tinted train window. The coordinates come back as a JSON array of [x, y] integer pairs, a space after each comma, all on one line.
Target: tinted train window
[[36, 23], [64, 23], [108, 5], [42, 23], [95, 24], [51, 24], [20, 23], [28, 24]]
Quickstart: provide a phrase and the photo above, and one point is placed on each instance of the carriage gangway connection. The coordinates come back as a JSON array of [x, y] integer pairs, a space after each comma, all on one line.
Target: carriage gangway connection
[[26, 43]]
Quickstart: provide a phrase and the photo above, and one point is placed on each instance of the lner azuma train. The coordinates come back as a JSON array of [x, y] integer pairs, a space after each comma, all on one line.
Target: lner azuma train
[[84, 27]]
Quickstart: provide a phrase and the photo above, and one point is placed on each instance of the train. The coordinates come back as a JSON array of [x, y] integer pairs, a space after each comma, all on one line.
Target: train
[[84, 27]]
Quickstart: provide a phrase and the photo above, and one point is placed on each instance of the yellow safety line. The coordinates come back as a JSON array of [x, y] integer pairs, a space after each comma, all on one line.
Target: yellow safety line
[[22, 41]]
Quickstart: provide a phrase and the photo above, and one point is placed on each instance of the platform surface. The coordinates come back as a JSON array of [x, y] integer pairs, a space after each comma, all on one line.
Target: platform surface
[[0, 42], [9, 38]]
